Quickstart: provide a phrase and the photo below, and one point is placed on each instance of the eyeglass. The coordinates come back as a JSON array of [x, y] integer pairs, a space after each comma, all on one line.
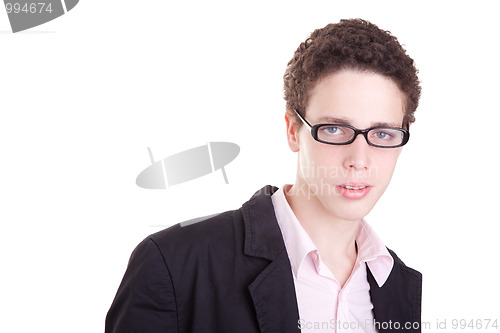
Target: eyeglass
[[336, 134]]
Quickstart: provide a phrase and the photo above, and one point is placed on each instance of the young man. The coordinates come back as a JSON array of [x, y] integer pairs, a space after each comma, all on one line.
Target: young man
[[298, 258]]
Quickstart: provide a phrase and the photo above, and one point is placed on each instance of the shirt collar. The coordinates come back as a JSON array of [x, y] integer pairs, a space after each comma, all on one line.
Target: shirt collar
[[372, 250], [298, 244]]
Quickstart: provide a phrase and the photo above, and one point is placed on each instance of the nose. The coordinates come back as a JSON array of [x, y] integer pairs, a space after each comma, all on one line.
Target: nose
[[357, 157]]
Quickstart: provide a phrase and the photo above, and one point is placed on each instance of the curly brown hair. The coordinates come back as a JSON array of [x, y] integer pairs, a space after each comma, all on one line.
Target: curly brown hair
[[350, 44]]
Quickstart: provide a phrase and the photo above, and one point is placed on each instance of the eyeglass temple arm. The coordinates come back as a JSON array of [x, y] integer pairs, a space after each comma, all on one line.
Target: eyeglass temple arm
[[303, 120]]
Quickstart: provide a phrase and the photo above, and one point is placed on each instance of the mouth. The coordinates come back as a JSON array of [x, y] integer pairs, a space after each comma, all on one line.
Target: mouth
[[349, 187], [354, 191]]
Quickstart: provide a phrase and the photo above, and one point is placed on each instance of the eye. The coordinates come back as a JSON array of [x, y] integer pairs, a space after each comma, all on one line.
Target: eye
[[333, 130], [383, 135], [386, 136]]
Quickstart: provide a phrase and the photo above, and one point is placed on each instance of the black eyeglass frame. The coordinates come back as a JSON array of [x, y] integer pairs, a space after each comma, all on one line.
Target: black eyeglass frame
[[314, 133]]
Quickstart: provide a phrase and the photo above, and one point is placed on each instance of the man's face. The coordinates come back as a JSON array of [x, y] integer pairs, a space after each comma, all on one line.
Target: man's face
[[347, 180]]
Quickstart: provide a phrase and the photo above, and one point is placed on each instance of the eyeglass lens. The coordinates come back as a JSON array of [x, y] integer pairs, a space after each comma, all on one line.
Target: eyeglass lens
[[339, 134]]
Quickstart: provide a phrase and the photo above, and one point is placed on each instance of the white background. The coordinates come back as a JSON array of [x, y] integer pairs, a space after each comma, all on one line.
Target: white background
[[83, 96]]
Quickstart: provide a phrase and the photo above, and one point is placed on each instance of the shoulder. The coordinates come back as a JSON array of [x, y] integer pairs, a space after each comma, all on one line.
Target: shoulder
[[204, 249], [252, 225], [200, 232]]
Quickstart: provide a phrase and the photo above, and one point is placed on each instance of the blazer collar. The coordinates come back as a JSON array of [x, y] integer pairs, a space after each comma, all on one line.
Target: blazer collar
[[273, 290], [262, 233]]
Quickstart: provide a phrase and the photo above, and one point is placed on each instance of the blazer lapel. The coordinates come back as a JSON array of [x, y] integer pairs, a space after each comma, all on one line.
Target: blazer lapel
[[273, 291], [274, 297], [399, 299]]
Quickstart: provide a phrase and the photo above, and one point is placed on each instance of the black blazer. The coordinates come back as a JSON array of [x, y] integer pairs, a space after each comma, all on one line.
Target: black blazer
[[231, 273]]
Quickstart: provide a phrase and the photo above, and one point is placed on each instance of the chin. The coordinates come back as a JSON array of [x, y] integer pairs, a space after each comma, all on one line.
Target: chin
[[350, 216], [350, 210]]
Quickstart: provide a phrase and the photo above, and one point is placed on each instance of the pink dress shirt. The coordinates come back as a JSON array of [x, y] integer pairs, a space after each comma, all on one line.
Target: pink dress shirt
[[323, 305]]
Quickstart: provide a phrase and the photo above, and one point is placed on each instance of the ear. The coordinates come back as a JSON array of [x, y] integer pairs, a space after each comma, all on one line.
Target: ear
[[292, 132]]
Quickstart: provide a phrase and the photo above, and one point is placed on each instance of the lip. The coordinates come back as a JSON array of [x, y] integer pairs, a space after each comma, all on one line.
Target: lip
[[354, 191]]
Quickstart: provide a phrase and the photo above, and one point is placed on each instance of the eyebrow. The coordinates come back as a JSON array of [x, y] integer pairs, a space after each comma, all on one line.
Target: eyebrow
[[345, 121]]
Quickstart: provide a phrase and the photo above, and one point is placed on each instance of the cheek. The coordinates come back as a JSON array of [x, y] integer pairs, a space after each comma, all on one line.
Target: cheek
[[384, 165], [319, 161]]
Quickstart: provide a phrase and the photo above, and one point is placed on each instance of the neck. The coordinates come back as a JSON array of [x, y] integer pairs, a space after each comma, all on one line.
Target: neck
[[334, 237]]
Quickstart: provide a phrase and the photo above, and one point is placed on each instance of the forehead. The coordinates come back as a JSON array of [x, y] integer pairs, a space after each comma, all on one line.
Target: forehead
[[357, 98]]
